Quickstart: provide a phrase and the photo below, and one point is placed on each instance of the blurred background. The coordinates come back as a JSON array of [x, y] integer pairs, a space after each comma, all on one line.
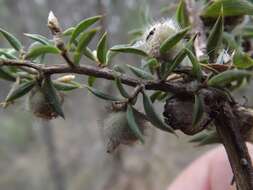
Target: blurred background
[[70, 154]]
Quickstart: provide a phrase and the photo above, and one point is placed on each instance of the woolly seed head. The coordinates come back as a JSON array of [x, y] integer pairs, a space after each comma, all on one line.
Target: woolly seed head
[[155, 34]]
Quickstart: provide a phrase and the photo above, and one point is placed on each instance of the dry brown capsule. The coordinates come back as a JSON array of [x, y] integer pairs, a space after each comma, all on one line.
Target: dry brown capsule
[[40, 106], [116, 130]]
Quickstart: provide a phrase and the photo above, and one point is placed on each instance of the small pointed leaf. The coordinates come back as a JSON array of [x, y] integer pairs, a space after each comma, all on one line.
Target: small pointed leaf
[[215, 37], [172, 41], [196, 68], [140, 73], [38, 38], [198, 110], [62, 86], [91, 80], [181, 14], [19, 90], [132, 123], [152, 115], [6, 75], [226, 77], [14, 42], [230, 7], [242, 60], [52, 97], [128, 49], [82, 26], [102, 49], [101, 94], [121, 88], [42, 50]]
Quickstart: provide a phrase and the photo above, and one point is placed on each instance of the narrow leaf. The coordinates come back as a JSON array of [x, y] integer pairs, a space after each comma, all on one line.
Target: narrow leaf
[[215, 37], [172, 41], [41, 50], [198, 110], [133, 125], [81, 46], [82, 26], [121, 88], [14, 42], [52, 96], [196, 68], [6, 75], [7, 55], [19, 90], [226, 77], [153, 116], [181, 14], [68, 31], [91, 80], [128, 49], [101, 94], [230, 8], [140, 73], [102, 49], [38, 38], [242, 60], [62, 86]]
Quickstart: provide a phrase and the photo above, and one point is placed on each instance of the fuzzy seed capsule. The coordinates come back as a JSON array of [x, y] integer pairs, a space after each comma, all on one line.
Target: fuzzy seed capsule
[[40, 106], [116, 130]]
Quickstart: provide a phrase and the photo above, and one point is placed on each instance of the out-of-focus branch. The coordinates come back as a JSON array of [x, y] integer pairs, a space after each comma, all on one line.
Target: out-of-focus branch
[[197, 28]]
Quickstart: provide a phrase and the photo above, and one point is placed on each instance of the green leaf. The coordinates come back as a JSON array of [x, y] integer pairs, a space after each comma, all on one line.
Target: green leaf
[[7, 55], [198, 110], [6, 75], [121, 88], [133, 125], [82, 26], [215, 37], [91, 80], [102, 49], [125, 48], [140, 73], [152, 64], [62, 86], [41, 50], [196, 68], [101, 94], [226, 77], [84, 40], [230, 8], [206, 138], [172, 41], [182, 15], [68, 31], [88, 53], [153, 116], [109, 55], [38, 38], [242, 60], [14, 42], [52, 96], [176, 61], [230, 41], [19, 90]]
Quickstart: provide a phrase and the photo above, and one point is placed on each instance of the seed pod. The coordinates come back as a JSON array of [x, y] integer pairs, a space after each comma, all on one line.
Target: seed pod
[[178, 114], [40, 106], [116, 130]]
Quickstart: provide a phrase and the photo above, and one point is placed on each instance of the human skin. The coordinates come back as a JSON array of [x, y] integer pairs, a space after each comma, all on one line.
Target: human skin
[[209, 172]]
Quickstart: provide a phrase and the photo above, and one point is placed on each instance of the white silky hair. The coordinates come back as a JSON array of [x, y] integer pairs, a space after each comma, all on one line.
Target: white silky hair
[[155, 34]]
